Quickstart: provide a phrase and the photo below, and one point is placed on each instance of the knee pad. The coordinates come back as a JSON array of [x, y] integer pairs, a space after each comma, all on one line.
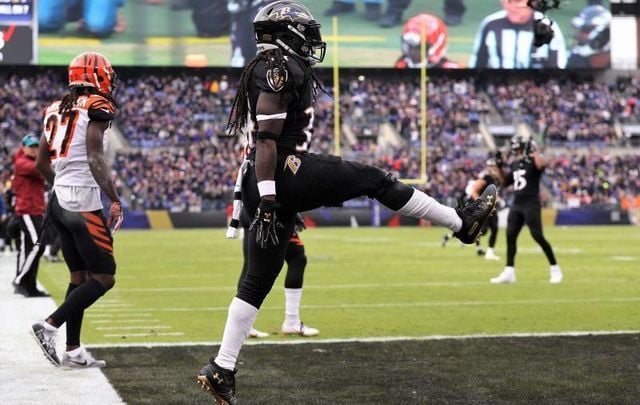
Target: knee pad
[[393, 193]]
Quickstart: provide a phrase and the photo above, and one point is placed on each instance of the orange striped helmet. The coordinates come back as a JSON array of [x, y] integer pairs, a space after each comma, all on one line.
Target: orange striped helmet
[[91, 69]]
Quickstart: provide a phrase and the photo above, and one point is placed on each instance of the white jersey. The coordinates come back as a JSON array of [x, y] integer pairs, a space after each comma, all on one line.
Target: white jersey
[[66, 136]]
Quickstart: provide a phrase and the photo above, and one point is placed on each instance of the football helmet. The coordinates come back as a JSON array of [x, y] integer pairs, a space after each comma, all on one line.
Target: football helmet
[[91, 69], [434, 36], [592, 31], [290, 26], [519, 143]]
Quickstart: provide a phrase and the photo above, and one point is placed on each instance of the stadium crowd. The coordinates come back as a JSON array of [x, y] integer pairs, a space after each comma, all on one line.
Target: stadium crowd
[[568, 112], [183, 160]]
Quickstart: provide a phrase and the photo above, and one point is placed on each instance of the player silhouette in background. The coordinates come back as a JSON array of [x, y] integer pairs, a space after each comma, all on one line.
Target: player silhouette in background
[[526, 172]]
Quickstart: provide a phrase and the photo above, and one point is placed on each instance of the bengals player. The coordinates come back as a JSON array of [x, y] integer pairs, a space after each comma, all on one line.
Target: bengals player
[[431, 30], [71, 158]]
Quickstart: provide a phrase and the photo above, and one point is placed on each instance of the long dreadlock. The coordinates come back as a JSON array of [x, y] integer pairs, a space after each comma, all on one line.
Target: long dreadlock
[[240, 109], [69, 100]]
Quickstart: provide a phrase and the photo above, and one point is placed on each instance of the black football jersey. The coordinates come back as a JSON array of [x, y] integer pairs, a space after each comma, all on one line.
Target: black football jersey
[[488, 179], [298, 125], [525, 177]]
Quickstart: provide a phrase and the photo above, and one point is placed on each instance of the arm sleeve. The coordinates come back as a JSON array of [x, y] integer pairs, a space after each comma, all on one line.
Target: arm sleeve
[[101, 109], [479, 57]]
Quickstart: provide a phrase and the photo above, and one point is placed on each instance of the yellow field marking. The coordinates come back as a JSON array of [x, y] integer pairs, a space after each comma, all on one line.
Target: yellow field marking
[[68, 42]]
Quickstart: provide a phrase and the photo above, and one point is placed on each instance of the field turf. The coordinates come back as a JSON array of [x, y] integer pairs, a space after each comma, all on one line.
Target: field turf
[[175, 286]]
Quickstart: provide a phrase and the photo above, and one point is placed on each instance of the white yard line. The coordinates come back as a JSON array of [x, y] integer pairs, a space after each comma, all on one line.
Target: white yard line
[[143, 334], [608, 300], [301, 341], [26, 376], [150, 327]]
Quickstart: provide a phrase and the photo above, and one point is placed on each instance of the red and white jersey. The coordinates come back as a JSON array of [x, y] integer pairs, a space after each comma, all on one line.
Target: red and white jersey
[[67, 138]]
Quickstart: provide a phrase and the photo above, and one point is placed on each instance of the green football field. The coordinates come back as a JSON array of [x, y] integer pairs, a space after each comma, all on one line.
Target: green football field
[[369, 291], [157, 35], [175, 286]]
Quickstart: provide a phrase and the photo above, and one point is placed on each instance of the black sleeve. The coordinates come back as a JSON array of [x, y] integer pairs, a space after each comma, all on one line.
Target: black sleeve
[[101, 109], [508, 179]]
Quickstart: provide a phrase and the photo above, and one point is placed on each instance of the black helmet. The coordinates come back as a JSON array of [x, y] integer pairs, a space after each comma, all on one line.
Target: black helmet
[[289, 25], [519, 142], [592, 31]]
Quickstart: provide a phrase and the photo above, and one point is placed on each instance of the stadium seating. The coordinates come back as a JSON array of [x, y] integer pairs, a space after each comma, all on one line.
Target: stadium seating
[[180, 157]]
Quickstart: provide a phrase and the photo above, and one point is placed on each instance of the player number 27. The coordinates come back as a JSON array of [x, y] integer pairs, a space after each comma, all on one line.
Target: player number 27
[[66, 123]]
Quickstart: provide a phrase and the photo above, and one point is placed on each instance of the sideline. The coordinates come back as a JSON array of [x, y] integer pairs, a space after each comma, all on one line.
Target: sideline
[[260, 342], [26, 376]]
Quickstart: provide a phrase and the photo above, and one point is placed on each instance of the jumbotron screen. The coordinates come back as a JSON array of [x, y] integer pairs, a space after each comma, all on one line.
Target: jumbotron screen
[[457, 33]]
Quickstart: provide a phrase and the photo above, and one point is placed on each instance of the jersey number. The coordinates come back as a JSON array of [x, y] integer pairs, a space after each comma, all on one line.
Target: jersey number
[[519, 181], [68, 122]]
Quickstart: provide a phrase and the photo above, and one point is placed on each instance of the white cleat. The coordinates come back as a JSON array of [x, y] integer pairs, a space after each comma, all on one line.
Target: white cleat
[[300, 330], [555, 275], [82, 360], [491, 256], [255, 333], [508, 276]]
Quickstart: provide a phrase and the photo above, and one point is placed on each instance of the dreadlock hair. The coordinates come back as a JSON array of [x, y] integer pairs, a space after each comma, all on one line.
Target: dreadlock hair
[[69, 100], [274, 58]]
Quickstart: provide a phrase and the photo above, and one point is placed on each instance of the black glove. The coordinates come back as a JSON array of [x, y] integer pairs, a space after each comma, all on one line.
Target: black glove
[[300, 226], [266, 224], [499, 159], [531, 147]]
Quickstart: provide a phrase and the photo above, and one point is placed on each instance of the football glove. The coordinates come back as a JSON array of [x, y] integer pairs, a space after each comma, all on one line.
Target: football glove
[[300, 226], [115, 216], [266, 224]]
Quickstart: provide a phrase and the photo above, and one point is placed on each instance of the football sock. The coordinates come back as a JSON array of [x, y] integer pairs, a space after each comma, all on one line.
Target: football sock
[[239, 322], [74, 323], [420, 205], [80, 299], [292, 306], [75, 352]]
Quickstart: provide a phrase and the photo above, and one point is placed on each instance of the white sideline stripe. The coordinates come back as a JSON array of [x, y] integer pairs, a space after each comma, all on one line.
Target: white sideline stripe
[[416, 304], [26, 375], [379, 339], [152, 327], [371, 285], [142, 334], [124, 320]]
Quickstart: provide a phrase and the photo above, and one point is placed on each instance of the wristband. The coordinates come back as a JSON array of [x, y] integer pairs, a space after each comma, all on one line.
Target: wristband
[[267, 187]]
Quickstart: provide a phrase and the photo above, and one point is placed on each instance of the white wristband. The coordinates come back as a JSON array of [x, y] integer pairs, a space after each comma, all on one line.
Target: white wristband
[[267, 187]]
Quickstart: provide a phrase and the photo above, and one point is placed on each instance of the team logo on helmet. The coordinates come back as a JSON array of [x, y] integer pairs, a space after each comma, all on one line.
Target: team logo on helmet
[[276, 78]]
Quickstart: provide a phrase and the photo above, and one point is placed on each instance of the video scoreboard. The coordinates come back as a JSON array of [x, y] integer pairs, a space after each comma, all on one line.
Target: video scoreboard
[[18, 32], [629, 7]]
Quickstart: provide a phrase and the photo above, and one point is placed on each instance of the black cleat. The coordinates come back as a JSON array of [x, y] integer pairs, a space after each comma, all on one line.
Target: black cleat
[[47, 342], [475, 214], [219, 382]]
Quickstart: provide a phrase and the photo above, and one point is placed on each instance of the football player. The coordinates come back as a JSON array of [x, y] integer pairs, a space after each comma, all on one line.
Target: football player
[[72, 141], [526, 171], [296, 259], [275, 98], [592, 47], [490, 175], [430, 30]]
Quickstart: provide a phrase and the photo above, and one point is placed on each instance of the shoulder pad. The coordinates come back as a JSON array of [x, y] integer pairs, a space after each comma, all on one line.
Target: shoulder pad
[[98, 108], [276, 79]]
